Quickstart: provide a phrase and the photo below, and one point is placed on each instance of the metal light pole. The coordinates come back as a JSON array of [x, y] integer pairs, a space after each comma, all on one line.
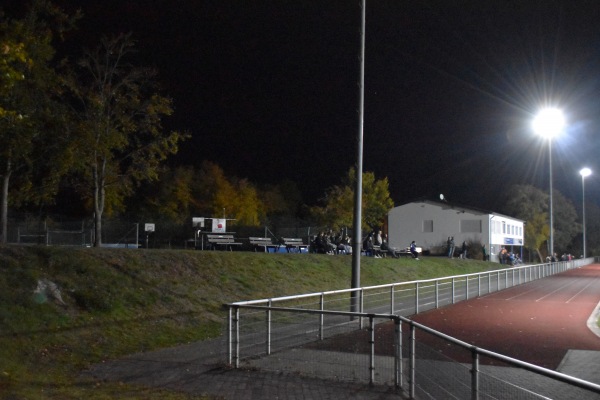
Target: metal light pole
[[584, 173], [357, 231], [549, 123]]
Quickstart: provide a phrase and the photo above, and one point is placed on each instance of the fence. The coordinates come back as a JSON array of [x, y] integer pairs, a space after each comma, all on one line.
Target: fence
[[60, 231], [315, 335]]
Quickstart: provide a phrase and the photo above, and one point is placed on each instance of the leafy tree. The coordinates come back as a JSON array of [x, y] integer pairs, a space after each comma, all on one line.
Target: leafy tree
[[530, 204], [234, 198], [281, 199], [32, 137], [184, 192], [592, 230], [338, 209], [171, 196], [537, 232], [565, 222], [120, 140]]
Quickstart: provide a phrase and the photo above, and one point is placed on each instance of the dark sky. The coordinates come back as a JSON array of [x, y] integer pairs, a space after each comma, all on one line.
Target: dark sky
[[268, 88]]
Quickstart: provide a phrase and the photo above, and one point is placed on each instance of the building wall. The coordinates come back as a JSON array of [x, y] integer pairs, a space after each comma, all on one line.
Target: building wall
[[430, 224]]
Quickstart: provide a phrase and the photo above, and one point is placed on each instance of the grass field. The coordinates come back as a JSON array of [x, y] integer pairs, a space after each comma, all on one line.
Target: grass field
[[118, 302]]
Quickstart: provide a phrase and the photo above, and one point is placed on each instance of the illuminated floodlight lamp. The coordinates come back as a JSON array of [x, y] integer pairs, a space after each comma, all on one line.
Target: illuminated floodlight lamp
[[585, 172], [549, 122]]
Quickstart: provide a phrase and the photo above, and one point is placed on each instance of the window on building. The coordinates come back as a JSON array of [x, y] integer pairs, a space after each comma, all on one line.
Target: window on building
[[470, 226], [428, 225], [503, 227]]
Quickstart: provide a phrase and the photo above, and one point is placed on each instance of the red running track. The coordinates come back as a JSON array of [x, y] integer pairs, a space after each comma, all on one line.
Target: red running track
[[535, 322]]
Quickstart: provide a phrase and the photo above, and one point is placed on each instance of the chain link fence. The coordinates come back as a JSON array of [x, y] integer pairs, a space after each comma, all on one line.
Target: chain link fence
[[57, 230]]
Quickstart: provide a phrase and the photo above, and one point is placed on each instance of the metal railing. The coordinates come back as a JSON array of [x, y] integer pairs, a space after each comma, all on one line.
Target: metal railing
[[315, 335]]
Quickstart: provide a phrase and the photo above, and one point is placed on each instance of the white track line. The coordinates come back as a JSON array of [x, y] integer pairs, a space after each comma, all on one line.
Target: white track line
[[585, 287], [554, 291]]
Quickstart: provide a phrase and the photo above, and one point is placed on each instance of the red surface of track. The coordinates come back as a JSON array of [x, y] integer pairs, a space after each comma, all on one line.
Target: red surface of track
[[536, 322]]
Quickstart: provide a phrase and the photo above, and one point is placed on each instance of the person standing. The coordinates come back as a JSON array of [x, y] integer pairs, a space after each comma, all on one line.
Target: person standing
[[451, 247], [484, 252], [463, 254]]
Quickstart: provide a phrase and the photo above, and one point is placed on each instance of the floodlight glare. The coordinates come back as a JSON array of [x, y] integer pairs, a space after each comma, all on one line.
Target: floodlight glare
[[585, 172], [549, 122]]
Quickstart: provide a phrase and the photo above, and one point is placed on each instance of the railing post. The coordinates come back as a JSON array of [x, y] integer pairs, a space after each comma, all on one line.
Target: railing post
[[466, 287], [392, 299], [321, 318], [416, 297], [412, 359], [361, 306], [229, 337], [268, 338], [398, 353], [437, 293], [372, 352], [237, 337], [498, 283], [513, 277], [453, 288], [475, 375]]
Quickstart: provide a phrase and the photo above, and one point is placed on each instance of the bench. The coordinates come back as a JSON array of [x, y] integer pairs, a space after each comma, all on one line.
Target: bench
[[224, 241], [294, 244], [404, 252], [263, 242]]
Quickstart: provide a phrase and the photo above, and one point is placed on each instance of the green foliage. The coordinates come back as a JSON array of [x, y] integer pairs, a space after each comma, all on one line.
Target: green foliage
[[120, 140], [592, 228], [530, 204], [156, 298], [537, 232], [32, 154], [184, 192], [338, 210], [566, 225]]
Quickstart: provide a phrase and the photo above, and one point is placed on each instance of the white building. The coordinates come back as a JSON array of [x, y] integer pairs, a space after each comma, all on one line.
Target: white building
[[430, 223]]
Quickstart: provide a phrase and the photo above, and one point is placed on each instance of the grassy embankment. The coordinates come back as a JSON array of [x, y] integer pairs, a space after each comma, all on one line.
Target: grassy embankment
[[119, 302]]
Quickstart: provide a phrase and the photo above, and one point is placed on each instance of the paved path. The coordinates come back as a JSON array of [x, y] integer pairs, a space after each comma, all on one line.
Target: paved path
[[542, 322], [195, 369]]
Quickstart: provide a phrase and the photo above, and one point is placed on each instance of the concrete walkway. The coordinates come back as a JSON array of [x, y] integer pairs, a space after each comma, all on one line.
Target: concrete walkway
[[198, 369]]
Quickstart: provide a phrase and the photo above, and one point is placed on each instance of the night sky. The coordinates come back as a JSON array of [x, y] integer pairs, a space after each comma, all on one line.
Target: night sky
[[269, 89]]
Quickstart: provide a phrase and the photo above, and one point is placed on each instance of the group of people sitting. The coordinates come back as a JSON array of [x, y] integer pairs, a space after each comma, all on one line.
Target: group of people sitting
[[376, 245], [330, 243]]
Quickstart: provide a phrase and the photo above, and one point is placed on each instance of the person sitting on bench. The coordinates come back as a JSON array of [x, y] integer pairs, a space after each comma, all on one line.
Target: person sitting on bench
[[413, 250]]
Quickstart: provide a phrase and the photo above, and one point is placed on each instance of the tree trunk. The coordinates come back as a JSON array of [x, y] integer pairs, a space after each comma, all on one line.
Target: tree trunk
[[539, 255], [99, 198], [97, 229], [4, 203]]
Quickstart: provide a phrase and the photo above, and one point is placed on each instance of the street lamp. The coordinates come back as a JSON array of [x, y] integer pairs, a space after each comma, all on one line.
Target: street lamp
[[584, 172], [549, 123]]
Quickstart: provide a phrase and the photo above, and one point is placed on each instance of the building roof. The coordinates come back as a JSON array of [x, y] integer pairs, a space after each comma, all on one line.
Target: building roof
[[454, 206]]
